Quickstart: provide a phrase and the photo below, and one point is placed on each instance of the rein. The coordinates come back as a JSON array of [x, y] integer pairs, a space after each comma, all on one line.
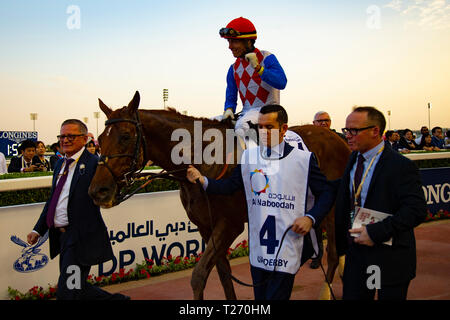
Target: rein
[[134, 174]]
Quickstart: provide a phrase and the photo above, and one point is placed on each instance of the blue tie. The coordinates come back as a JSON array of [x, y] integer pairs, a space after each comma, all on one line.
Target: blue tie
[[269, 151]]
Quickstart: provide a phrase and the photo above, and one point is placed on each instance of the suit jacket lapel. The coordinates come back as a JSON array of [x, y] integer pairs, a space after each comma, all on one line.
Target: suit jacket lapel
[[76, 174], [56, 173], [351, 163]]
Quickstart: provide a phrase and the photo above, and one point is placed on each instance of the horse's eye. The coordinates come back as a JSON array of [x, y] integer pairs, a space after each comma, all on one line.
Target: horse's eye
[[125, 137]]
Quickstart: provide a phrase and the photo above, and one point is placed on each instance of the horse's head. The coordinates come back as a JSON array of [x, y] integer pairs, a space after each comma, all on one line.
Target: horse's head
[[122, 153]]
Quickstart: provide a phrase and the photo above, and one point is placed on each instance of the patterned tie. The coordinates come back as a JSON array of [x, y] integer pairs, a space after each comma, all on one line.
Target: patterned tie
[[358, 177], [54, 201]]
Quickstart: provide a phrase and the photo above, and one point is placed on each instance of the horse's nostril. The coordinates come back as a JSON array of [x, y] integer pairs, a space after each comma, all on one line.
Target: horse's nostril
[[103, 192]]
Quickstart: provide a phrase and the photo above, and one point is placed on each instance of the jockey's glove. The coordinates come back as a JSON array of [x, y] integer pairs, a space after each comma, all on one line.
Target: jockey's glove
[[228, 114], [252, 59]]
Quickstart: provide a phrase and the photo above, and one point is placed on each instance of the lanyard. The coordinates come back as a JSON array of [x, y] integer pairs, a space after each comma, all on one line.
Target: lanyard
[[358, 192], [25, 164]]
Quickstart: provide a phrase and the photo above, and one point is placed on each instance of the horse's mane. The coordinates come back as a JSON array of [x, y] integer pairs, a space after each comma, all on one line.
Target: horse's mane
[[172, 115]]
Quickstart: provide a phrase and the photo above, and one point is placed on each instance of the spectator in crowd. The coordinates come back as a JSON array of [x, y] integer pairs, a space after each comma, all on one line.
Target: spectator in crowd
[[24, 162], [3, 167], [377, 178], [407, 142], [392, 138], [39, 159], [98, 149], [58, 155], [425, 143], [437, 139], [90, 146], [447, 139], [323, 119], [423, 130], [75, 226]]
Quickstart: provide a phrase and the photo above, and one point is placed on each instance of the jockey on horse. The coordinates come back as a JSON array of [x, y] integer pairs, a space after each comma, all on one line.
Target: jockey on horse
[[256, 75]]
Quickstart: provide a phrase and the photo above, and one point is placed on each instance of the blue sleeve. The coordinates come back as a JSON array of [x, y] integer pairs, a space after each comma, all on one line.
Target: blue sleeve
[[227, 186], [322, 190], [232, 91], [273, 73]]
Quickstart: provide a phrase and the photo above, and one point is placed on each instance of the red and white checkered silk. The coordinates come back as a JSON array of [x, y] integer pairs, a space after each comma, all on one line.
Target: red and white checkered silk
[[253, 91]]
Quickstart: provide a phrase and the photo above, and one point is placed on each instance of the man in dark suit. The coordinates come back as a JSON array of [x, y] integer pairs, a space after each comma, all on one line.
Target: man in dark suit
[[24, 162], [382, 180], [75, 225], [392, 138], [287, 172]]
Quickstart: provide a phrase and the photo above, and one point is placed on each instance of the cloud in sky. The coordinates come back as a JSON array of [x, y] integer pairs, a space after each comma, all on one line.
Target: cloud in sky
[[425, 14]]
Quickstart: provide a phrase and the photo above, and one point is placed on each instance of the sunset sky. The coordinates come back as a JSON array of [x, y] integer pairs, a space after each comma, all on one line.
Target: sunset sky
[[394, 55]]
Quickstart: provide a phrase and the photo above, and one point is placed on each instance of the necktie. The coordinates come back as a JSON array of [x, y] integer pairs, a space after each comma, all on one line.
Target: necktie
[[54, 201], [269, 151], [358, 177]]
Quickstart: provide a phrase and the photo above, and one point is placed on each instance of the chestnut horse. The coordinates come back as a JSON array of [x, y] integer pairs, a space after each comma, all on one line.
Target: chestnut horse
[[132, 137]]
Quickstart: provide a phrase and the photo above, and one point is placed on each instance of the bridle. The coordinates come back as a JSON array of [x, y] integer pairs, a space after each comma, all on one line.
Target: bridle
[[140, 140], [134, 174]]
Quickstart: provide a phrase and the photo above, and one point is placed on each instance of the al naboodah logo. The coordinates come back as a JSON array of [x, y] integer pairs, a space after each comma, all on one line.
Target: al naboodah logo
[[259, 182]]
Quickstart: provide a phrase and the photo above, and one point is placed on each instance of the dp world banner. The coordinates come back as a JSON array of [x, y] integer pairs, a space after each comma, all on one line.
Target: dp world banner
[[10, 140], [146, 226], [436, 187]]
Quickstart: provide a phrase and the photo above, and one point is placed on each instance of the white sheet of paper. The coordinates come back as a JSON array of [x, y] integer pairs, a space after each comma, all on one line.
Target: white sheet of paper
[[364, 216]]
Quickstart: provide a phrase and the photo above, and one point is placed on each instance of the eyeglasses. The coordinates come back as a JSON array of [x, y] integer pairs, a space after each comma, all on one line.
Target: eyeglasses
[[322, 121], [69, 137], [355, 131], [229, 32]]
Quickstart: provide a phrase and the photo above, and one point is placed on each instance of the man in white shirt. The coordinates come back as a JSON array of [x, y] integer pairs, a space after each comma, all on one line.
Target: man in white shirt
[[75, 225]]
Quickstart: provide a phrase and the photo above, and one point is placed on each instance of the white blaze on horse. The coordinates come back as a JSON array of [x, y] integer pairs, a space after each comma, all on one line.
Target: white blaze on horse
[[132, 137]]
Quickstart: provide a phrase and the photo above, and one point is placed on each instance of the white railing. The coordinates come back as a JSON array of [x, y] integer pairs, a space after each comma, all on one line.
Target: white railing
[[427, 155], [46, 182], [34, 182]]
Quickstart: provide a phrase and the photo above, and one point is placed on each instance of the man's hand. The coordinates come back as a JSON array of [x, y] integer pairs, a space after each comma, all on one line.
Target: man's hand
[[31, 168], [302, 225], [228, 114], [253, 59], [32, 238], [363, 238], [193, 174]]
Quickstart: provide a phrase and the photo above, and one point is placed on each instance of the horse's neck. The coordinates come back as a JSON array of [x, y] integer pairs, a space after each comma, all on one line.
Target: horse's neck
[[158, 129]]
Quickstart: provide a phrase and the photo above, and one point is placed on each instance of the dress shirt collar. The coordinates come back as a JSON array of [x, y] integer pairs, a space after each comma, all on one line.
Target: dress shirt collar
[[77, 155], [372, 152], [276, 151]]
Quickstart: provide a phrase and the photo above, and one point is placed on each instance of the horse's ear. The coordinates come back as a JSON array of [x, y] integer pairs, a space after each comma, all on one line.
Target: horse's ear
[[106, 110], [134, 103]]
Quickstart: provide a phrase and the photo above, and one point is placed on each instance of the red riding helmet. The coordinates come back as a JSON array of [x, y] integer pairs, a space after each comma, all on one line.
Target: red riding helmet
[[239, 28]]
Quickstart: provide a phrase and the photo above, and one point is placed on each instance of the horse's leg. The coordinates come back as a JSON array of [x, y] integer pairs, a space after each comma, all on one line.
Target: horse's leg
[[332, 257], [202, 270], [224, 271], [221, 238]]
